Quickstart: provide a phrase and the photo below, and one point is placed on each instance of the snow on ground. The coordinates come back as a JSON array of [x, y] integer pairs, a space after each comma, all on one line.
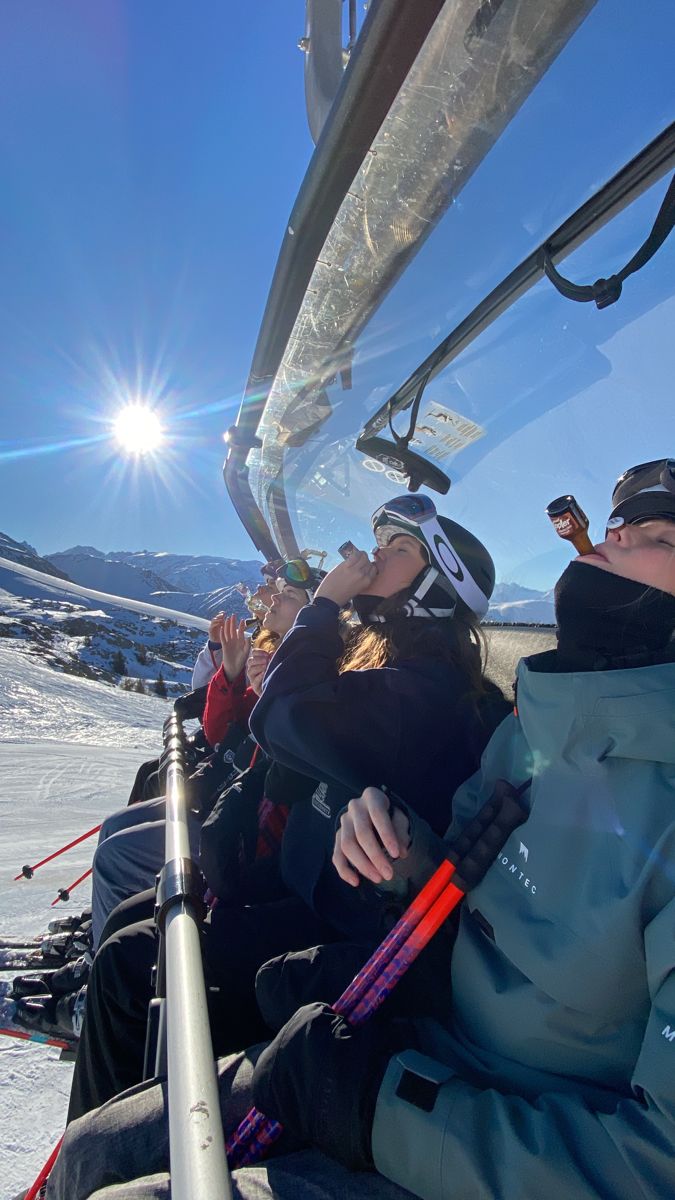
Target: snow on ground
[[69, 750]]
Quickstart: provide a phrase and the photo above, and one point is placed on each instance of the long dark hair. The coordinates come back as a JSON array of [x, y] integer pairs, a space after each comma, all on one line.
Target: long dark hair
[[458, 641]]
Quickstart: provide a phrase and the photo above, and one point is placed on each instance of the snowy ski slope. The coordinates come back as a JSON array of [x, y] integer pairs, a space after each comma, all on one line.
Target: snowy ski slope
[[69, 749]]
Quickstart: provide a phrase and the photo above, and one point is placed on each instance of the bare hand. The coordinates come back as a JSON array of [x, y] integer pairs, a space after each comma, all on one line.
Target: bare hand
[[256, 667], [215, 627], [367, 835], [348, 579], [235, 646]]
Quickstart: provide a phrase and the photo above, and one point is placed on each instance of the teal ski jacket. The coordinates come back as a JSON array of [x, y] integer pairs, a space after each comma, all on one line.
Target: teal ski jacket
[[554, 1075]]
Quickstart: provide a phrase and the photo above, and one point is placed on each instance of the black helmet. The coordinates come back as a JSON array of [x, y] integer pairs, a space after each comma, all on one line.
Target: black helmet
[[460, 569], [645, 492]]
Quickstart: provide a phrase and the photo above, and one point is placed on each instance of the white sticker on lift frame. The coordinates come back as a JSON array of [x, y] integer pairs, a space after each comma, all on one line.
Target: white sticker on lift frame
[[442, 432]]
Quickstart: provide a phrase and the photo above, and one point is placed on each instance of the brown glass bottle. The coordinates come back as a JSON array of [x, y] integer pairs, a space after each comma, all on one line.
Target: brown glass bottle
[[571, 523]]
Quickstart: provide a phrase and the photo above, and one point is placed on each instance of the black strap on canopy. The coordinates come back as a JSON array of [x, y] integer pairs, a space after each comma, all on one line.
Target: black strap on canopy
[[606, 291]]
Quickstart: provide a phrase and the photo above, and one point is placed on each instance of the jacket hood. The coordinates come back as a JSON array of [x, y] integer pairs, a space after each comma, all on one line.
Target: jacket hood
[[627, 714]]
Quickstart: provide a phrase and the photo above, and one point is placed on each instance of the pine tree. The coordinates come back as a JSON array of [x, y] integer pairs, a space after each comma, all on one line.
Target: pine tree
[[119, 666], [142, 655], [160, 686], [140, 687]]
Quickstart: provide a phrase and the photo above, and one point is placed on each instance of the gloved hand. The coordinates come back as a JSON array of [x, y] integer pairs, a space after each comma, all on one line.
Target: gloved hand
[[320, 1078], [285, 984]]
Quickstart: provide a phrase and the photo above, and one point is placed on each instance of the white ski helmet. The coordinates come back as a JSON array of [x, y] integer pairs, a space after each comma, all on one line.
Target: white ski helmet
[[460, 568]]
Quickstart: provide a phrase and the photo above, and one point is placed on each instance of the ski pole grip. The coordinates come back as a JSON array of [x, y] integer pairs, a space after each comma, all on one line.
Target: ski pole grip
[[509, 815], [474, 831]]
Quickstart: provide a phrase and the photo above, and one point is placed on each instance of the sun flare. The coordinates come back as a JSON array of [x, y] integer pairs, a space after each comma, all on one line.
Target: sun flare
[[137, 429]]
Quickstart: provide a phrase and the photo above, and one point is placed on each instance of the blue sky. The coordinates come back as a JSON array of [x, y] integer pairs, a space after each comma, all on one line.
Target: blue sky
[[151, 153], [567, 396]]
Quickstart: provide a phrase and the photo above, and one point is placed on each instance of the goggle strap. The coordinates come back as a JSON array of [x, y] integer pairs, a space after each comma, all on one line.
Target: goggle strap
[[463, 581], [430, 576]]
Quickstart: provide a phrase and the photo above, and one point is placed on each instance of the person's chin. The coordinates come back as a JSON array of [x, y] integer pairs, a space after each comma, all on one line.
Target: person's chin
[[594, 560], [372, 590]]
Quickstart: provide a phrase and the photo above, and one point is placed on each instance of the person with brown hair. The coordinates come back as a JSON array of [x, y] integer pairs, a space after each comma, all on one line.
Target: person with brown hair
[[232, 694], [406, 702]]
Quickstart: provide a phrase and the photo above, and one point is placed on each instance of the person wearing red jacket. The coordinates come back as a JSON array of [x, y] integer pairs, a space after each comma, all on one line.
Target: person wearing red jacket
[[230, 696]]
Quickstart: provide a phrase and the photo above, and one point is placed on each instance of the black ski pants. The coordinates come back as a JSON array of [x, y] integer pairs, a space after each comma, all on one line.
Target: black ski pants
[[143, 775], [237, 941]]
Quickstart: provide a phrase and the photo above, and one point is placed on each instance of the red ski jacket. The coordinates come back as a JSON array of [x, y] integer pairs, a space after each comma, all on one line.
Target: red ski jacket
[[226, 702]]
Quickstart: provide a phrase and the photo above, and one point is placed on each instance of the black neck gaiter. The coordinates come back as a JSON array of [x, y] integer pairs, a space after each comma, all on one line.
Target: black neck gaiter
[[366, 608], [608, 623]]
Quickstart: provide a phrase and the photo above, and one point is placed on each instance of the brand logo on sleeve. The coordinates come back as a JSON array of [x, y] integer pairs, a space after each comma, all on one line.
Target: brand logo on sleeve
[[514, 868], [319, 800], [668, 1034]]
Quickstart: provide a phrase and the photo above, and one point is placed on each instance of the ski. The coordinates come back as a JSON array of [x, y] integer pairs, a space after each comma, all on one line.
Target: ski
[[9, 1027], [60, 927], [21, 960], [29, 959], [52, 950]]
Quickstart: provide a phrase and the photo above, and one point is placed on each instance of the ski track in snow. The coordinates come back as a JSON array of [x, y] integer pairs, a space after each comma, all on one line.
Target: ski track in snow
[[69, 750]]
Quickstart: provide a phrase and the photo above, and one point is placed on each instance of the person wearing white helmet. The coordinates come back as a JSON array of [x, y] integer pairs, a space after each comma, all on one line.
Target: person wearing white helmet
[[406, 702]]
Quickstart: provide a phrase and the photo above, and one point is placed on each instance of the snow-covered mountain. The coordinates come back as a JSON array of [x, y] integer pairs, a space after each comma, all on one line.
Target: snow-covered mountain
[[95, 570], [193, 573], [154, 570], [85, 637], [505, 593], [27, 555], [513, 604], [201, 585]]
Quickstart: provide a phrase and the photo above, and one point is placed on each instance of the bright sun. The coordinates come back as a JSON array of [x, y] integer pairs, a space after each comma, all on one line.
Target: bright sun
[[138, 429]]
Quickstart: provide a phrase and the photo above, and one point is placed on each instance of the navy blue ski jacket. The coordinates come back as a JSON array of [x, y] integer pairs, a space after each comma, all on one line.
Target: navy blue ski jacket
[[409, 727]]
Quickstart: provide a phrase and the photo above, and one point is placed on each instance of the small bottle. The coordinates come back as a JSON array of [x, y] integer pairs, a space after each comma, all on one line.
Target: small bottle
[[571, 523]]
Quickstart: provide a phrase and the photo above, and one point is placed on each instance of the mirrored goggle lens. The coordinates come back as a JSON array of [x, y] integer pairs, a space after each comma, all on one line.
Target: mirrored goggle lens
[[657, 475], [411, 508], [297, 571]]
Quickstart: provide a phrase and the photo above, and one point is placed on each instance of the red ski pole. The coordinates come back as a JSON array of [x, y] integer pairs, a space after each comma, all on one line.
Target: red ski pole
[[34, 1191], [27, 872], [256, 1132], [64, 893], [472, 854]]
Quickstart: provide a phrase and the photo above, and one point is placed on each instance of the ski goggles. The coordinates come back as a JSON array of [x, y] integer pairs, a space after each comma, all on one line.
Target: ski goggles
[[645, 492], [416, 509], [404, 514], [298, 573]]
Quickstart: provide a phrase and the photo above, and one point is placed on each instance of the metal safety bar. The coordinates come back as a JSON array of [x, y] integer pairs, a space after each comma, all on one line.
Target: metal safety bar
[[196, 1144]]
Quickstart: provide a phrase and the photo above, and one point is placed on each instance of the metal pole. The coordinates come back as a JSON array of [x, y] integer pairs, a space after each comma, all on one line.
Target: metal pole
[[197, 1147]]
